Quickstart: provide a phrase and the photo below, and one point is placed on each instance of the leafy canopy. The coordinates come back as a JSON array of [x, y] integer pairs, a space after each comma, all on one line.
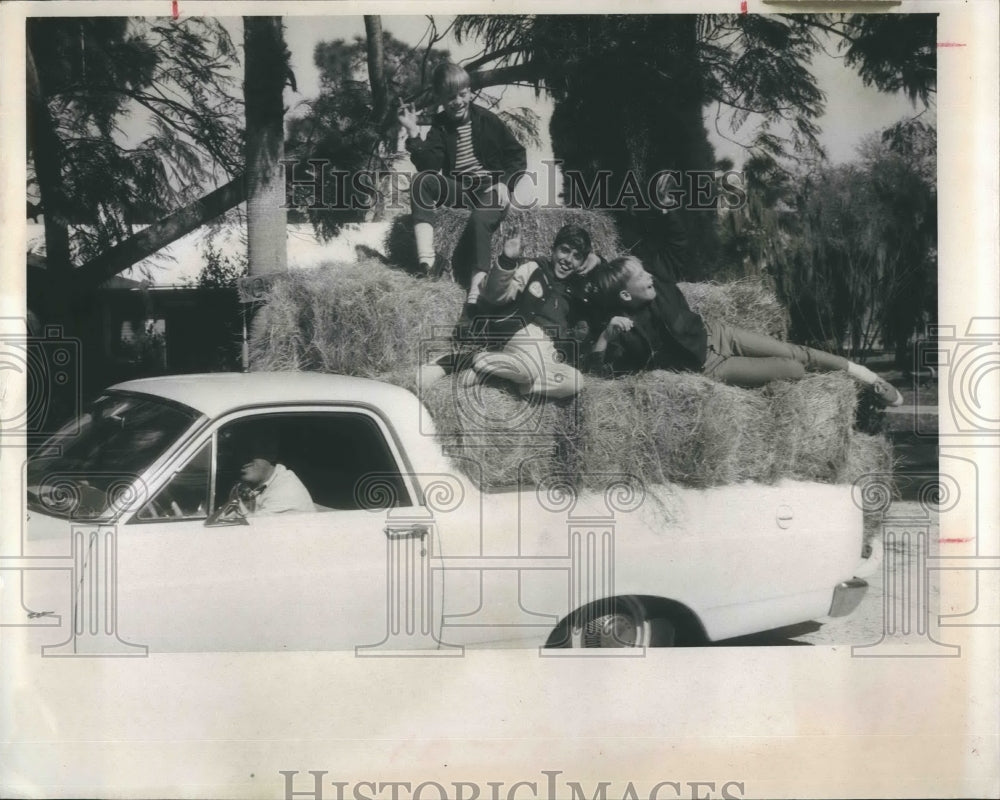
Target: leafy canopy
[[106, 79]]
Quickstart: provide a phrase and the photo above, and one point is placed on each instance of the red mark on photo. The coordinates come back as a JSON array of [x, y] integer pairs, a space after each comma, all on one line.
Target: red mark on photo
[[174, 10], [951, 44], [957, 541], [743, 6]]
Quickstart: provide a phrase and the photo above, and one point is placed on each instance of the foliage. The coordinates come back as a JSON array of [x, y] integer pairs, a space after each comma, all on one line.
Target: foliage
[[340, 126], [851, 249], [147, 348], [894, 52], [660, 72], [220, 271], [104, 78]]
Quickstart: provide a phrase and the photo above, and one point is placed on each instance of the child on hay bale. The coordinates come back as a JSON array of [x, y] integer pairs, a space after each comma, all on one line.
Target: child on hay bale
[[546, 302], [655, 329], [469, 157]]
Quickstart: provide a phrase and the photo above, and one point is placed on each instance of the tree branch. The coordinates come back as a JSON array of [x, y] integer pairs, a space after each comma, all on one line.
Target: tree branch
[[527, 72], [159, 235]]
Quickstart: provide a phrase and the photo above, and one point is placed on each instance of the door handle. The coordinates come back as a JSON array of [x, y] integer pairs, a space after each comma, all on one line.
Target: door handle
[[406, 531]]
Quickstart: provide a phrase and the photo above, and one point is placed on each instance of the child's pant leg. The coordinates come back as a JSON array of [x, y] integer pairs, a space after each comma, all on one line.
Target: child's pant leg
[[747, 358], [530, 359], [751, 372], [428, 191], [473, 251], [472, 254]]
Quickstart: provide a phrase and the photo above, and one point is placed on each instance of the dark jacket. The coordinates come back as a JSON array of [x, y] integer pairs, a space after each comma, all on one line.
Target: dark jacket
[[570, 307], [556, 306], [666, 334], [492, 142]]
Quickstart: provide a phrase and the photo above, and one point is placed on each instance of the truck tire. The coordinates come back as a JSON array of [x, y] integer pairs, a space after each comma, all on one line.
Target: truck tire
[[622, 622]]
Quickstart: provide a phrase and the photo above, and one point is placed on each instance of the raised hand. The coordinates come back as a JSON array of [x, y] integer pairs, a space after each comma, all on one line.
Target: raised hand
[[512, 247], [406, 113]]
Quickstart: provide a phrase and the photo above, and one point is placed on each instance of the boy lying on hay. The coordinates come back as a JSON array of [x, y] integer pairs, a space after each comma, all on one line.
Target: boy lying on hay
[[372, 320]]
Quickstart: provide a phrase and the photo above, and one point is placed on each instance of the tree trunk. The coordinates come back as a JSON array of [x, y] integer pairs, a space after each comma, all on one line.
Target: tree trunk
[[45, 153], [376, 65], [266, 67]]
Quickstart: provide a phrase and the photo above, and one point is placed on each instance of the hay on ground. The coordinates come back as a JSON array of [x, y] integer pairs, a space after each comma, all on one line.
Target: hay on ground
[[537, 229]]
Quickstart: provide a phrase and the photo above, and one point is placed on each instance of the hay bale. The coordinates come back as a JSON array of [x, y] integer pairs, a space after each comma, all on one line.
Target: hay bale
[[812, 418], [355, 319], [870, 455], [501, 439], [866, 455], [662, 427], [744, 303], [537, 228], [673, 428], [370, 320]]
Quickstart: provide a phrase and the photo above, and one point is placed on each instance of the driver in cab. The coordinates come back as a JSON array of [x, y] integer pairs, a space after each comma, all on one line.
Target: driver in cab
[[266, 486]]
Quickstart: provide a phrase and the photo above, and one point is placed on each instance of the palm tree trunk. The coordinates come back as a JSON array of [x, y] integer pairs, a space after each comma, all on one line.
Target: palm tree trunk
[[265, 70]]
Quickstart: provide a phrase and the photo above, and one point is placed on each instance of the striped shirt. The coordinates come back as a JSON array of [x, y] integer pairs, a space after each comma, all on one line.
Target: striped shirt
[[465, 157]]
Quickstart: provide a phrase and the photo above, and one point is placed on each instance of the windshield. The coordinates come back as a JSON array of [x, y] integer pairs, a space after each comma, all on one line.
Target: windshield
[[86, 471]]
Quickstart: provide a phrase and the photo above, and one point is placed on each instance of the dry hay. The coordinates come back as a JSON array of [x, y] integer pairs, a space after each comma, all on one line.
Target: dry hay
[[354, 319], [870, 457], [662, 427], [672, 428], [369, 320], [867, 456], [812, 421], [500, 438], [536, 227], [744, 303]]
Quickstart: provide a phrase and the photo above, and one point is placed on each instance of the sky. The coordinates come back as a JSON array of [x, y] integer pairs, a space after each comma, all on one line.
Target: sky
[[852, 110]]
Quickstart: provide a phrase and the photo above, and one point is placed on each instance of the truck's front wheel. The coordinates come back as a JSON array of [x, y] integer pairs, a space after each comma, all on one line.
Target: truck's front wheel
[[623, 622]]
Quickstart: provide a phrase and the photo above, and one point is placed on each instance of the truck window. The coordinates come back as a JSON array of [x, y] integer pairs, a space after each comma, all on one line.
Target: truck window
[[335, 454], [186, 494]]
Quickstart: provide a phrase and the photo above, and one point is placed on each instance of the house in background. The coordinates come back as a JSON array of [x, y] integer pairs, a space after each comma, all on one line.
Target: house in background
[[136, 329]]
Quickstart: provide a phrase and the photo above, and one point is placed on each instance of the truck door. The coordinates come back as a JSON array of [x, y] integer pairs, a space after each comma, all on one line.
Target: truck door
[[327, 579]]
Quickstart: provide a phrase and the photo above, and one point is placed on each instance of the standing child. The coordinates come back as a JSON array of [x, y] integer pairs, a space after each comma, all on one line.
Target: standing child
[[653, 328], [469, 159]]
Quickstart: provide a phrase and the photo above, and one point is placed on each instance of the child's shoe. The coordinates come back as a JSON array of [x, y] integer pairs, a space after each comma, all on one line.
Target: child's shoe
[[887, 393]]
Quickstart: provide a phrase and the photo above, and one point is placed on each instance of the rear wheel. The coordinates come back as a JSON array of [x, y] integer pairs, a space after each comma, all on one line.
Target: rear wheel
[[623, 622]]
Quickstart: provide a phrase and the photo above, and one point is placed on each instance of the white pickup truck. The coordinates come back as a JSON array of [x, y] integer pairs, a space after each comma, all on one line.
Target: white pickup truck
[[126, 549]]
